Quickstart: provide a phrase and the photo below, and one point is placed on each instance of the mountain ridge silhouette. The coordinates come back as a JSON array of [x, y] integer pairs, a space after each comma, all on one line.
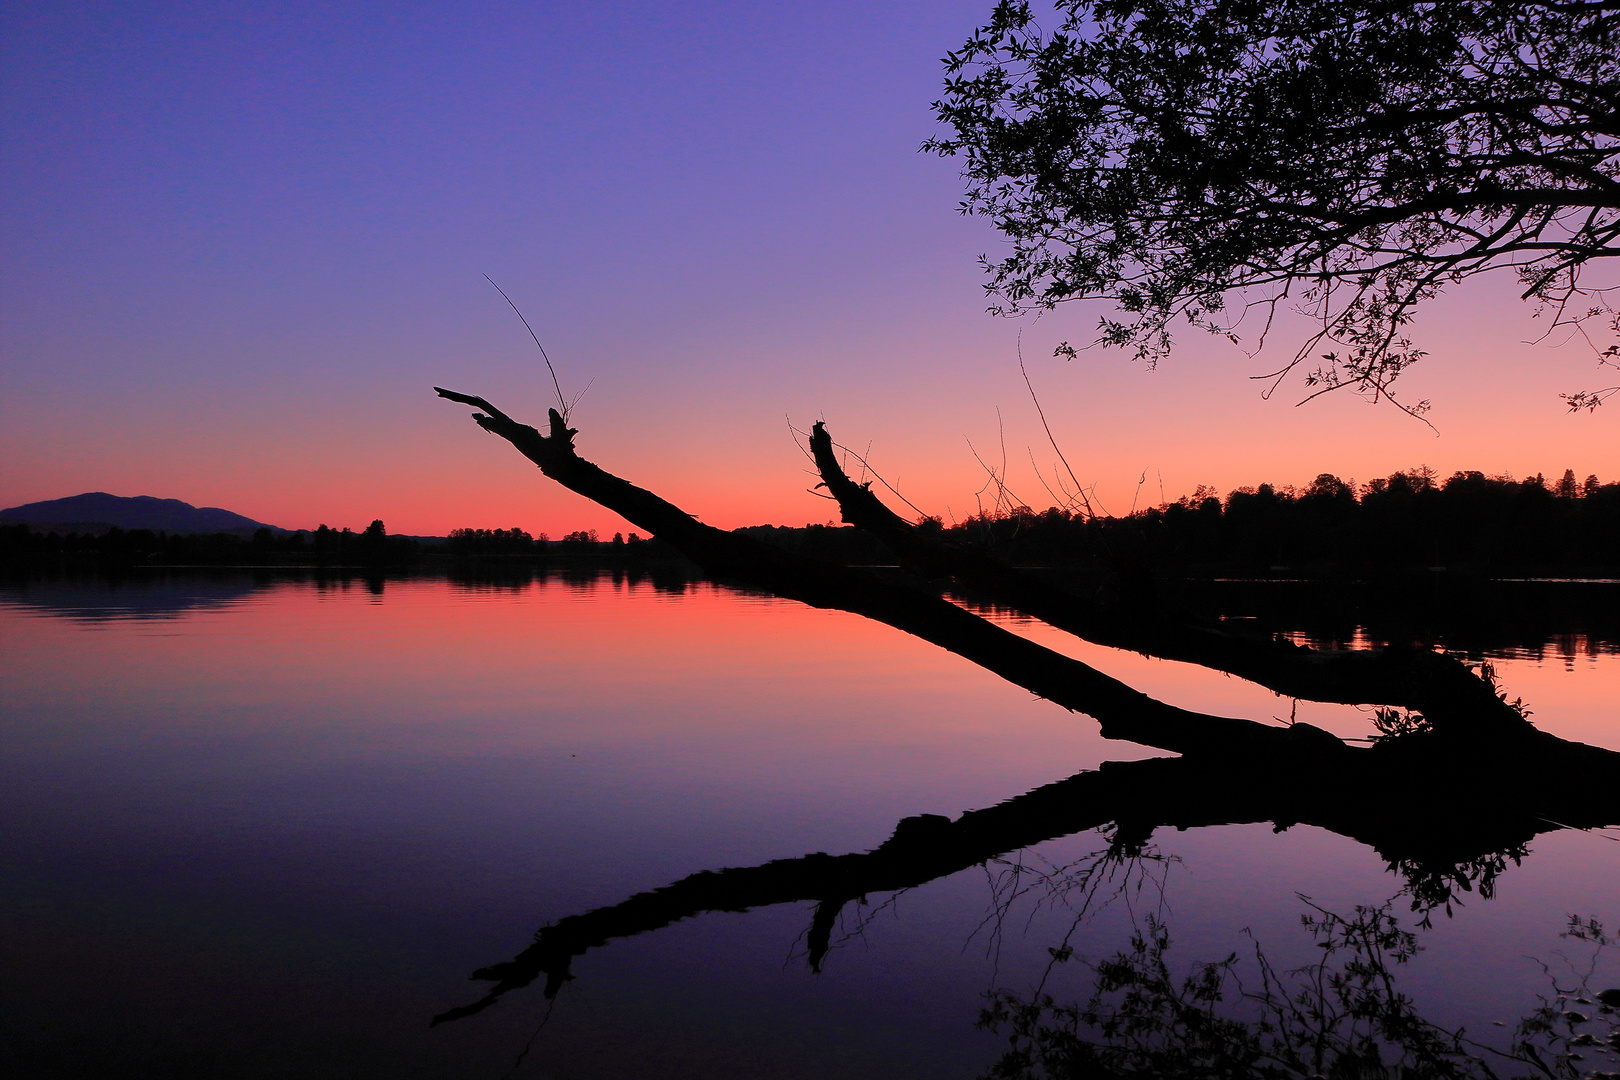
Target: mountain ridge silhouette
[[134, 512]]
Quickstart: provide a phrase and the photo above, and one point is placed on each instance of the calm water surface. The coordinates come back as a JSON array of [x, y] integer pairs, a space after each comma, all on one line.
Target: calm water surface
[[269, 829]]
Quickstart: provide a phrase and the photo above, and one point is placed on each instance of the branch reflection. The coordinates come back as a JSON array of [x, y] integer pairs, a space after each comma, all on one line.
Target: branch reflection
[[1444, 831]]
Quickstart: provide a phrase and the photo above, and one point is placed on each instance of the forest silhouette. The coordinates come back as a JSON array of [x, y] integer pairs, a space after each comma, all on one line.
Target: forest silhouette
[[1411, 520]]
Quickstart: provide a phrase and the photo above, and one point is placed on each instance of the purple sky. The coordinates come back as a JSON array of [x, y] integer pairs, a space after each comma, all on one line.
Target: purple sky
[[240, 243]]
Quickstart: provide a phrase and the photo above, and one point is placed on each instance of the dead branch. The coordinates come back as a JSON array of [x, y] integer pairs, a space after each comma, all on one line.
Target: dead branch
[[1122, 712], [1444, 837], [1442, 688]]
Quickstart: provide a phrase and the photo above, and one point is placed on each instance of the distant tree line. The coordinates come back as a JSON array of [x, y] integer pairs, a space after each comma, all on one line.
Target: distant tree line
[[466, 543], [324, 546], [479, 543], [1409, 520], [144, 547]]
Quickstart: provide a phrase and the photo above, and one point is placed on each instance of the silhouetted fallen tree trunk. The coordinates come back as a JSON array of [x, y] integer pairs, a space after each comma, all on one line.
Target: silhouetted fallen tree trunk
[[1457, 794], [1122, 712], [1442, 688], [1442, 837]]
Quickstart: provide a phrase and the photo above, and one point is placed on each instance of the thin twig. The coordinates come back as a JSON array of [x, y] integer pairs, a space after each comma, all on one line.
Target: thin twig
[[544, 1020], [1066, 502], [1079, 487], [563, 405], [994, 479]]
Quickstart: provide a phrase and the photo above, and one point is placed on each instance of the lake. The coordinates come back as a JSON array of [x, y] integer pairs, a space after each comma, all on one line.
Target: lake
[[259, 827]]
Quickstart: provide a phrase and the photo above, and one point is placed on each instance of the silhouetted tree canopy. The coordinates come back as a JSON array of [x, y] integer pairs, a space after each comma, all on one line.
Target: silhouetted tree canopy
[[1408, 520], [513, 541], [1193, 159]]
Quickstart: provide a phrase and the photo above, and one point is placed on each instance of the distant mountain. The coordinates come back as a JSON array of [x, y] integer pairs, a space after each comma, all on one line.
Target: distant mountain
[[139, 512]]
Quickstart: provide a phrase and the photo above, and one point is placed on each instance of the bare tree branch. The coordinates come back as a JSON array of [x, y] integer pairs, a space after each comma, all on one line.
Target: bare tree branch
[[1122, 712], [1442, 688]]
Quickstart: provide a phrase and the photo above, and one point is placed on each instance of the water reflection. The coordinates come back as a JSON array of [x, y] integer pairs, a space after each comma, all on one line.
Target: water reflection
[[330, 798], [1441, 839], [1519, 619], [1341, 1016], [1473, 617], [169, 593], [93, 600]]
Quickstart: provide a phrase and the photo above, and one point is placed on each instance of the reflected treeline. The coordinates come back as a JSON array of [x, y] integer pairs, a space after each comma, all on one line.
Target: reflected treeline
[[672, 578], [104, 597], [158, 592], [1341, 1017], [1444, 838], [1474, 617]]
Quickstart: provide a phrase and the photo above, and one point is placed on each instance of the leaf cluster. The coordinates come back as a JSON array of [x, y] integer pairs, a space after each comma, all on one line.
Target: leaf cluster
[[1192, 159]]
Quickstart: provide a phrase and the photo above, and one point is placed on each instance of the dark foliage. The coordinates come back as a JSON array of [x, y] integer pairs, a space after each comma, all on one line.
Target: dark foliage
[[514, 541], [24, 546], [1189, 159], [1410, 520], [1341, 1017], [581, 541], [20, 544]]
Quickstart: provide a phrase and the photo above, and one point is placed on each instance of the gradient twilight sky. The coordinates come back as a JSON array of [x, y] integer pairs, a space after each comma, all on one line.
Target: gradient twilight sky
[[242, 241]]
